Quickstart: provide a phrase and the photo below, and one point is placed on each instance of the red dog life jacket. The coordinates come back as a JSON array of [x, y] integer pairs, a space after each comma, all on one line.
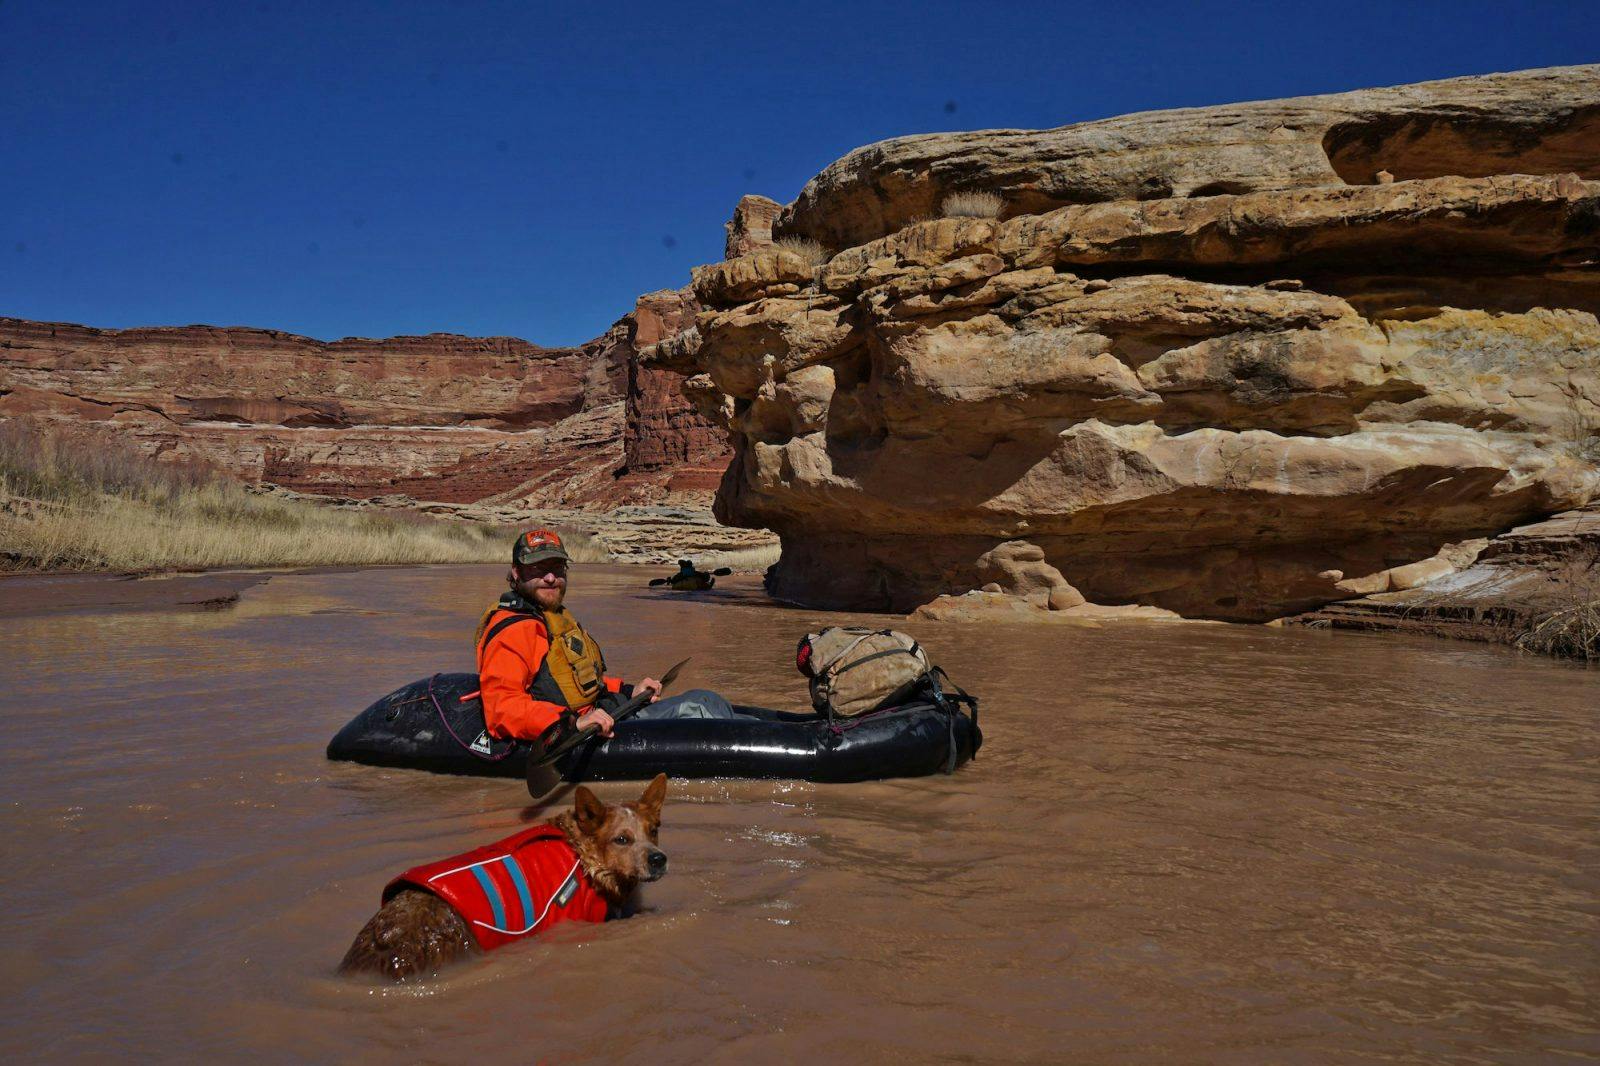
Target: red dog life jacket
[[512, 888]]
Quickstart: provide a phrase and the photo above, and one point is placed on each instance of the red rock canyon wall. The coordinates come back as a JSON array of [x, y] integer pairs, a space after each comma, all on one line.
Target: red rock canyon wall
[[440, 417]]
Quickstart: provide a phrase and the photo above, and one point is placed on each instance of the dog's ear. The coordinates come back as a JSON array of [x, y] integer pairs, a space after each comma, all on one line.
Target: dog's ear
[[650, 802], [587, 810]]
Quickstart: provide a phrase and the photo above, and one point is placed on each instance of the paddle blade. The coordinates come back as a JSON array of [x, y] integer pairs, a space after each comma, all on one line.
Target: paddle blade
[[545, 798], [657, 581], [672, 675], [543, 777], [722, 571]]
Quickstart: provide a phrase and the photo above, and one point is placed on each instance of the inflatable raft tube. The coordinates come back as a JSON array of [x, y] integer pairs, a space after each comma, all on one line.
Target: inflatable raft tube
[[428, 726]]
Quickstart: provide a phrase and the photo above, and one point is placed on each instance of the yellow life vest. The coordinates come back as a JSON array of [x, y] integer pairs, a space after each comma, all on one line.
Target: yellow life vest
[[573, 672]]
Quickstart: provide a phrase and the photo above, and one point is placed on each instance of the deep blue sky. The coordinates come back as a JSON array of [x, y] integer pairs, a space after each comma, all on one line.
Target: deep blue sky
[[349, 167]]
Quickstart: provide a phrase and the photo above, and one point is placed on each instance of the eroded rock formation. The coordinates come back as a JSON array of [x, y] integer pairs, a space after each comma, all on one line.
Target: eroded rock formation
[[751, 226], [437, 418], [665, 436], [1223, 361], [1537, 587]]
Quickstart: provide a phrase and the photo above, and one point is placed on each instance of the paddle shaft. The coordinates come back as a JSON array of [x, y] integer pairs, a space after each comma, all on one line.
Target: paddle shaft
[[627, 710], [544, 778]]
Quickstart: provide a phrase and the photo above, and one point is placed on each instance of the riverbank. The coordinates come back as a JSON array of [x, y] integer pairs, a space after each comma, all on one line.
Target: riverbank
[[86, 502], [642, 534], [1536, 588], [30, 595]]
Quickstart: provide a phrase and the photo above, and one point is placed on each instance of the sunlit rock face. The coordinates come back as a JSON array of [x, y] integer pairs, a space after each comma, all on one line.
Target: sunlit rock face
[[1224, 361]]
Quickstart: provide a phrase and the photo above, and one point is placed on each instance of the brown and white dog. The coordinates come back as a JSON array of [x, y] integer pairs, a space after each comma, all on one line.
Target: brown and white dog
[[582, 865]]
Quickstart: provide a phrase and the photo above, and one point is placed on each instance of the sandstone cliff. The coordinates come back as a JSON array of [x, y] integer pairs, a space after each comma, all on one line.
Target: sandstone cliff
[[437, 418], [1234, 362]]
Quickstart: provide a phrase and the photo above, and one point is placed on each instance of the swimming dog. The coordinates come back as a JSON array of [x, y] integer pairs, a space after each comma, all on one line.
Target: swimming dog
[[582, 865]]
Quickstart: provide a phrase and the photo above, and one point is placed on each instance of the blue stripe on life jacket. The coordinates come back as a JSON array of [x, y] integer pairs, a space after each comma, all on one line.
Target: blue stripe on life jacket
[[493, 893], [521, 885]]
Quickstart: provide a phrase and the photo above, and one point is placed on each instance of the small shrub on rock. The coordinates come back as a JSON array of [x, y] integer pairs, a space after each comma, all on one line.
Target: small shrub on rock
[[805, 248], [1571, 629], [972, 205]]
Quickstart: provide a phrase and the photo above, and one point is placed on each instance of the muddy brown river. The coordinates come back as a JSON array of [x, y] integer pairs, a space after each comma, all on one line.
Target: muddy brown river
[[1187, 843]]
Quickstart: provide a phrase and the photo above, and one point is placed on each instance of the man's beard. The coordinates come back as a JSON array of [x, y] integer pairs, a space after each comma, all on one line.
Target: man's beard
[[544, 597]]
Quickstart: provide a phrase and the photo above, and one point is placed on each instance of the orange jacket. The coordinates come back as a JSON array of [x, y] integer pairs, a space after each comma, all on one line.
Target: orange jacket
[[506, 667]]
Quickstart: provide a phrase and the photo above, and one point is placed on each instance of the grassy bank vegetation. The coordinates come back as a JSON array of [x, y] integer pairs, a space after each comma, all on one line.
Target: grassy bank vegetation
[[89, 502], [743, 560], [1570, 627]]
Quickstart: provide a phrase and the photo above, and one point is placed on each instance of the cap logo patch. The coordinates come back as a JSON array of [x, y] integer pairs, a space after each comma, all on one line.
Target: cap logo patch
[[538, 544]]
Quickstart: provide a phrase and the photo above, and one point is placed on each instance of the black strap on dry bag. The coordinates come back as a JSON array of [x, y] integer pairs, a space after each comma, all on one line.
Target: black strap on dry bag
[[949, 703], [911, 651]]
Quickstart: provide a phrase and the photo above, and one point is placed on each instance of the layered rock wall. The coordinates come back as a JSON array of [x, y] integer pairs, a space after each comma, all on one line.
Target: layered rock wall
[[1536, 587], [751, 226], [665, 434], [1224, 361], [440, 417]]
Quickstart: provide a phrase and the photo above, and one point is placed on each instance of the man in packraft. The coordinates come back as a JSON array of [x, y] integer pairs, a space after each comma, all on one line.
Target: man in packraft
[[537, 665]]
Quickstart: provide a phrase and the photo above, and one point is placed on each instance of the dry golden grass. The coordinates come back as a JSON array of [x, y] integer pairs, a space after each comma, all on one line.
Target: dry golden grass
[[813, 253], [972, 205], [1571, 628], [742, 559], [87, 502]]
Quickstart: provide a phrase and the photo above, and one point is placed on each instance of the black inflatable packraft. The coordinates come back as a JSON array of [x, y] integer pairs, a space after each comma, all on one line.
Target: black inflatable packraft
[[427, 725]]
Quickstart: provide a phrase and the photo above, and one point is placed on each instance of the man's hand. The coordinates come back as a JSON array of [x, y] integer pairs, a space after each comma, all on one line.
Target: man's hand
[[600, 720], [650, 685]]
